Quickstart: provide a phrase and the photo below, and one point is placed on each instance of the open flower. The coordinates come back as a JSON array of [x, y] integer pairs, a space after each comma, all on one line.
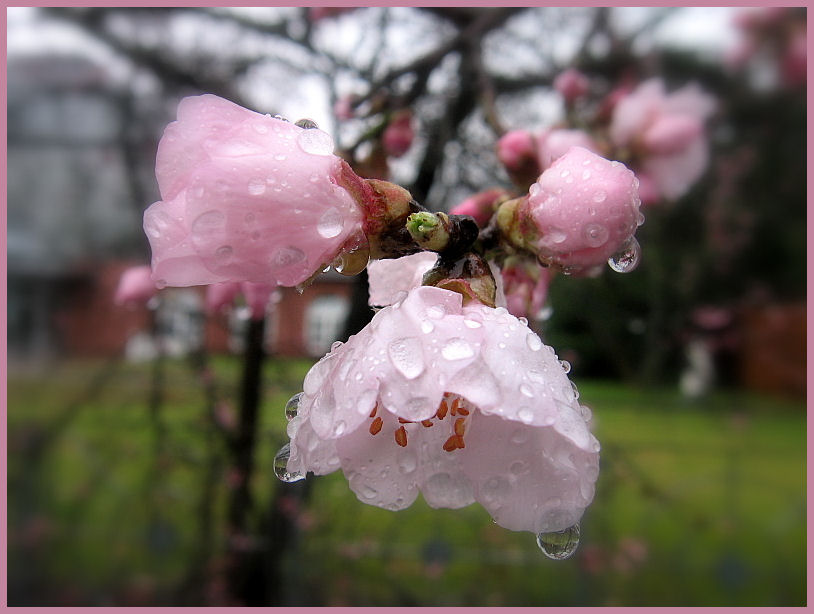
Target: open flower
[[556, 142], [462, 404], [390, 280], [246, 197]]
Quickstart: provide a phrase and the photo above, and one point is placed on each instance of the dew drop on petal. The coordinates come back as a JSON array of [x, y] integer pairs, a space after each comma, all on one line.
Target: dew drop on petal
[[470, 322], [223, 255], [534, 343], [257, 186], [207, 223], [566, 366], [281, 466], [525, 415], [457, 349], [306, 124], [427, 327], [293, 406], [287, 256], [559, 545], [406, 356], [526, 390], [316, 142], [627, 259], [599, 196], [330, 223]]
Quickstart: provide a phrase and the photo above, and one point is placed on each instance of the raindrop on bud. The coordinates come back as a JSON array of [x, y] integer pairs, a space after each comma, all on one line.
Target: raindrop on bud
[[559, 545], [627, 258], [281, 466], [292, 406]]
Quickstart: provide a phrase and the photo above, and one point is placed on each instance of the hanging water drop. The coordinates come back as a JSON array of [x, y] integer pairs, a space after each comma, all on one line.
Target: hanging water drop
[[559, 545], [627, 258], [281, 466], [293, 406], [316, 142], [330, 224]]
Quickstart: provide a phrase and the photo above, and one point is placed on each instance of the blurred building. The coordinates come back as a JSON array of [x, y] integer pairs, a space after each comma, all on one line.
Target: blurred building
[[80, 169]]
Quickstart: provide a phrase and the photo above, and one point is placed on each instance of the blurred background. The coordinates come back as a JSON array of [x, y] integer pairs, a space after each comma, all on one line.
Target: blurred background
[[141, 436]]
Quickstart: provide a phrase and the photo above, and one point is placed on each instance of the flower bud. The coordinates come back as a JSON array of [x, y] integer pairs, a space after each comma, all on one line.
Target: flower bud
[[517, 151], [571, 84]]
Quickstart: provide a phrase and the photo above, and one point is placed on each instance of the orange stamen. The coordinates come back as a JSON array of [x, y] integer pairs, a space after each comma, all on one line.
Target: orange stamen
[[451, 444], [401, 436], [426, 422], [403, 421], [375, 409], [459, 441], [460, 427], [463, 412], [376, 426], [442, 410], [456, 405]]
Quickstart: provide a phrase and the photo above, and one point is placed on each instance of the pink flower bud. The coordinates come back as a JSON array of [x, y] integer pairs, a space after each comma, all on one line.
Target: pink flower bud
[[582, 210], [517, 151], [480, 206], [136, 286], [554, 143], [246, 197], [794, 61], [526, 289], [398, 136], [571, 84]]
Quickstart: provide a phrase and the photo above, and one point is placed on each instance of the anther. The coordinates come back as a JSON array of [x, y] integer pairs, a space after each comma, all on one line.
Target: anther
[[460, 426], [442, 410], [451, 444], [376, 426], [426, 423], [375, 409], [401, 436]]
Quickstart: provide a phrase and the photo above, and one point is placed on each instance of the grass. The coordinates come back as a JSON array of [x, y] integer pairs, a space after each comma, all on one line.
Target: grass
[[698, 503]]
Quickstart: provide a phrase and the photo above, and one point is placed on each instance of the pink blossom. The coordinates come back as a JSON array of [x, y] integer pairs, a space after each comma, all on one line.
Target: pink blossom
[[318, 13], [343, 108], [246, 197], [398, 136], [666, 132], [481, 205], [463, 404], [222, 295], [390, 280], [526, 289], [135, 286], [794, 60], [554, 143], [583, 209], [571, 84]]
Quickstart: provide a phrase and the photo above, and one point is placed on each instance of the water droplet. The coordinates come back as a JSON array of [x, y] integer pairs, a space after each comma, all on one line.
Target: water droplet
[[526, 390], [469, 322], [575, 390], [559, 545], [639, 218], [281, 118], [457, 349], [406, 356], [281, 466], [555, 235], [257, 186], [525, 415], [566, 366], [523, 321], [427, 327], [585, 412], [436, 312], [331, 223], [407, 462], [586, 174], [261, 128], [316, 142], [306, 124], [293, 406], [596, 235], [287, 256], [627, 259], [534, 343], [534, 190], [565, 173], [339, 428], [224, 254], [207, 223], [600, 196]]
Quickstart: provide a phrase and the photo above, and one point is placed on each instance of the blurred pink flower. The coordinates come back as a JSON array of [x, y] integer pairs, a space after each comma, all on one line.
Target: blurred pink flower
[[526, 288], [136, 286], [480, 205], [343, 108], [398, 136], [556, 142], [582, 210], [463, 404], [246, 197], [666, 132], [571, 84], [317, 13]]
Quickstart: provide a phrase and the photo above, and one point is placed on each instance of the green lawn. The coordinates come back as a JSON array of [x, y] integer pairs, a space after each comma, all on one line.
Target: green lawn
[[698, 503]]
